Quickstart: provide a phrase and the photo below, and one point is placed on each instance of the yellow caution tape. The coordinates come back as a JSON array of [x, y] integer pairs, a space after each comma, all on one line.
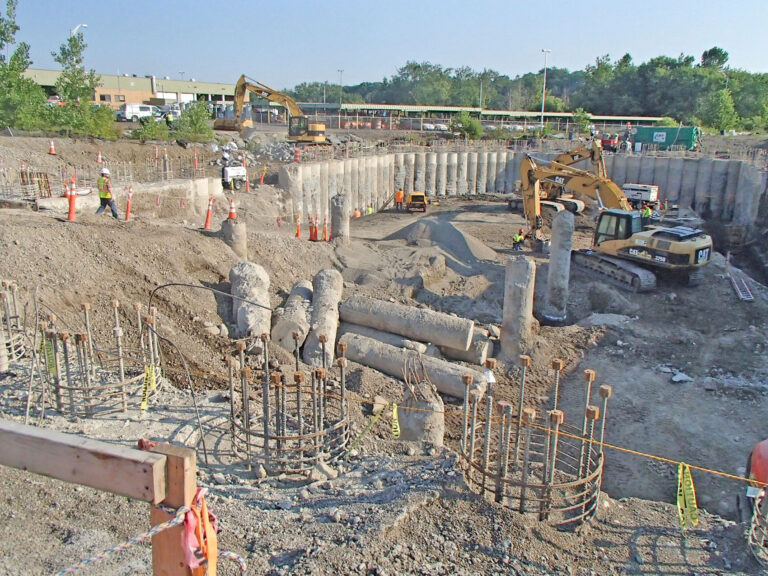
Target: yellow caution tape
[[395, 422], [687, 509], [149, 380]]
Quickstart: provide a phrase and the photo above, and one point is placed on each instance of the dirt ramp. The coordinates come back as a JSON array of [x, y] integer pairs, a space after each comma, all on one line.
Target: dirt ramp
[[461, 246]]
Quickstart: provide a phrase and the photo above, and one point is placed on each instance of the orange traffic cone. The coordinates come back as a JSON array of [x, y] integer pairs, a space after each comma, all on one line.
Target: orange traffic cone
[[71, 217], [128, 205], [325, 228], [298, 225], [195, 159], [232, 212], [208, 215], [51, 149], [98, 157]]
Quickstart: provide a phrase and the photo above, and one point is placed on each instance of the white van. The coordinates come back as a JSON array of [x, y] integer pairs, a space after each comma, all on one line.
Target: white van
[[133, 112]]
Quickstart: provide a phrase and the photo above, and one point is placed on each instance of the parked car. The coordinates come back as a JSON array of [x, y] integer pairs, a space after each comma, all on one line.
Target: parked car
[[441, 127], [489, 127], [134, 112], [427, 126], [172, 110]]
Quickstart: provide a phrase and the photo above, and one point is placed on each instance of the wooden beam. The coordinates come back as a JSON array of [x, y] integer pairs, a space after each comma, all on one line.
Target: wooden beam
[[167, 553], [125, 471]]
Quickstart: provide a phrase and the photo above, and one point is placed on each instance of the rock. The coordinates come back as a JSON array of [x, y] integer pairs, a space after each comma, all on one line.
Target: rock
[[220, 478], [335, 515], [681, 377], [285, 504], [639, 559], [223, 330], [261, 473], [665, 369], [494, 331], [379, 403]]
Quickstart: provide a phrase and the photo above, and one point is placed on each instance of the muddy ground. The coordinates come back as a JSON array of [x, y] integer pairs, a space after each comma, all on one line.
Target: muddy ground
[[687, 366]]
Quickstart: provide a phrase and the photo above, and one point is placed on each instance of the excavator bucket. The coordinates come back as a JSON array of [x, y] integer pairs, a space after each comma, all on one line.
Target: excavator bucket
[[231, 124]]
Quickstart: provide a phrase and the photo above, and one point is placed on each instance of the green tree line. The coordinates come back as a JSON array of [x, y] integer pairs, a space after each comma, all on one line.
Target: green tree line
[[705, 92]]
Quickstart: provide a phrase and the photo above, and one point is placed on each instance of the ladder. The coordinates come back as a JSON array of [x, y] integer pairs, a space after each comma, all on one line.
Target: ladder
[[740, 286]]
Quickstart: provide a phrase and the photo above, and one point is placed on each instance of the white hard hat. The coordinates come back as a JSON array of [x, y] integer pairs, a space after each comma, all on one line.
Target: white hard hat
[[105, 171]]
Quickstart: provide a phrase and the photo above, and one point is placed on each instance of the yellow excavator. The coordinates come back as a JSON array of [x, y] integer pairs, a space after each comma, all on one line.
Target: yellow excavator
[[300, 128], [622, 237]]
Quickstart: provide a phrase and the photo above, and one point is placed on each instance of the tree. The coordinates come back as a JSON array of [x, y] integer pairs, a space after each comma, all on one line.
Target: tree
[[714, 58], [582, 119], [717, 111], [470, 127], [193, 124], [21, 99], [74, 84]]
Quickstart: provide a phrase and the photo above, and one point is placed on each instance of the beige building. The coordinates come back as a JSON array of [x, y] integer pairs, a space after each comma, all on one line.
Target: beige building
[[115, 90]]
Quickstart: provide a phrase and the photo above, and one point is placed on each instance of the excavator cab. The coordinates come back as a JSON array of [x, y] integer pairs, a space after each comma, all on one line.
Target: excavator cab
[[617, 225], [297, 126]]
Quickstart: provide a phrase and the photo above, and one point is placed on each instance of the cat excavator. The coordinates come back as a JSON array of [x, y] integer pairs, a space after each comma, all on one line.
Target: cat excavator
[[300, 128], [625, 248]]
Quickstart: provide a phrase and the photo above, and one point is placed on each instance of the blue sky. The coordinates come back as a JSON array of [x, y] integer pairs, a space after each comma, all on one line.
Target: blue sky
[[284, 43]]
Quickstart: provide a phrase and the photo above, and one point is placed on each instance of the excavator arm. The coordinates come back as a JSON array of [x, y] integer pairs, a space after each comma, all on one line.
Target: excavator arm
[[594, 152], [532, 176]]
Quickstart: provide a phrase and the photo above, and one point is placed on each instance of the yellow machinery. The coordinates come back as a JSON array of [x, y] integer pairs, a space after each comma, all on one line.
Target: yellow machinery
[[621, 235], [300, 128]]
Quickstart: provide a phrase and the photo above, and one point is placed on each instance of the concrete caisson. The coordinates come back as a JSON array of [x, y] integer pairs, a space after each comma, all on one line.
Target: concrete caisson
[[461, 174], [501, 171], [400, 171], [490, 182], [430, 181], [688, 185], [250, 282], [482, 171], [420, 177], [619, 172], [674, 180], [517, 315], [442, 173], [417, 323], [410, 160], [471, 172], [235, 234], [453, 171], [703, 189], [633, 169], [387, 337], [556, 300], [295, 317], [340, 212], [327, 288]]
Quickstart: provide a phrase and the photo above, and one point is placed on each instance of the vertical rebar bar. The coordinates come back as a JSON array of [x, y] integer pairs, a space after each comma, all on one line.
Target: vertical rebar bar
[[14, 289], [137, 307], [155, 338], [321, 405], [9, 329], [81, 341], [474, 398], [342, 362], [589, 378], [323, 339], [555, 420], [605, 392], [245, 379], [149, 323], [299, 417], [64, 336], [467, 380], [525, 362], [296, 350], [231, 367], [529, 417], [593, 413], [274, 380], [505, 410], [55, 372], [118, 332], [488, 430], [284, 410], [313, 395], [87, 312], [557, 366]]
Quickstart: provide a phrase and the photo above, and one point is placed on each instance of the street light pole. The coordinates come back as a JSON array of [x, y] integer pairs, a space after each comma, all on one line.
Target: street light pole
[[76, 28], [341, 91], [544, 86]]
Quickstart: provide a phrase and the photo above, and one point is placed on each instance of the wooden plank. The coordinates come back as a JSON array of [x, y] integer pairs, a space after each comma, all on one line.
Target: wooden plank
[[125, 471], [181, 469]]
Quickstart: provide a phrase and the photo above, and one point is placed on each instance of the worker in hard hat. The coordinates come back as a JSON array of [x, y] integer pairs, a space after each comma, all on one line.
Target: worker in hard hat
[[399, 197], [518, 240], [356, 213], [105, 193]]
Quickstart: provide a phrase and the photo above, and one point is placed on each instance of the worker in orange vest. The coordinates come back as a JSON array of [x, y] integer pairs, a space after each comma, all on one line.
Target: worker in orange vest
[[399, 196], [356, 213]]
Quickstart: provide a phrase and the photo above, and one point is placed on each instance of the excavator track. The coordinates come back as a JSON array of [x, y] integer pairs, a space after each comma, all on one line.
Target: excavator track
[[620, 272]]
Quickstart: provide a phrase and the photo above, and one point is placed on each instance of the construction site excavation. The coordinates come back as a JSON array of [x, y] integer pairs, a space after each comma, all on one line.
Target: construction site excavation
[[528, 371]]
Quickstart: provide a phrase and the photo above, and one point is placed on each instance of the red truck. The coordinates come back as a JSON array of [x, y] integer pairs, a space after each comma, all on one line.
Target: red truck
[[610, 142]]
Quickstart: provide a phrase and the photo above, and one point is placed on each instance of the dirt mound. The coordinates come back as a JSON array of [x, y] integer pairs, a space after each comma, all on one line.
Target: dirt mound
[[461, 246]]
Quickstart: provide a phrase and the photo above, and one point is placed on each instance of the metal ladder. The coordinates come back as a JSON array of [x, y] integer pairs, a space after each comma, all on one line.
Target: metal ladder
[[740, 285]]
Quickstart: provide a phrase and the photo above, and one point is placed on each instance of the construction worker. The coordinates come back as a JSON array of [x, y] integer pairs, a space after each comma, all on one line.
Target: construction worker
[[399, 197], [356, 213], [369, 210], [645, 215], [518, 240], [105, 193]]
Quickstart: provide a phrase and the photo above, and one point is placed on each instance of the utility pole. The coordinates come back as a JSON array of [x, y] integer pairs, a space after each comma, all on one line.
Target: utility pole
[[341, 91]]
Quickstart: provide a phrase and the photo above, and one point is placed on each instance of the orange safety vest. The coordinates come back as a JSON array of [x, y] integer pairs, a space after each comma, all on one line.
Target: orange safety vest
[[356, 213], [105, 187], [758, 469], [399, 196]]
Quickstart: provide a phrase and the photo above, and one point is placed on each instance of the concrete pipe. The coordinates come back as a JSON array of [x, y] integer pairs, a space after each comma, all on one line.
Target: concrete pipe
[[478, 349], [417, 323], [328, 286], [517, 315], [447, 377], [386, 337], [251, 282], [340, 211], [235, 234], [295, 317], [556, 300]]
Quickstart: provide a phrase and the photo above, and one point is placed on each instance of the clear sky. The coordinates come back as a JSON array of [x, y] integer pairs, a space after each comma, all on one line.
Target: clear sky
[[283, 43]]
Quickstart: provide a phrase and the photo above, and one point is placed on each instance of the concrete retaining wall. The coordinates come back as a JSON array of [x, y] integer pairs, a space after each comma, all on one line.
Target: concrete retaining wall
[[714, 188]]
